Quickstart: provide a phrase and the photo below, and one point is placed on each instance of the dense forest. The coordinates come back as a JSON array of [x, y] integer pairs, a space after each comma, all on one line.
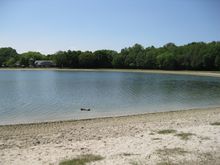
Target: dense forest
[[193, 56]]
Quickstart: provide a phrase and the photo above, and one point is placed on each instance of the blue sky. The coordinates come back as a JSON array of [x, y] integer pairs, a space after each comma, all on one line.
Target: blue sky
[[51, 25]]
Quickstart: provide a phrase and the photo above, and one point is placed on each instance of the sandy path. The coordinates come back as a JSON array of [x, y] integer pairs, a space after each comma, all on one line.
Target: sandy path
[[120, 140]]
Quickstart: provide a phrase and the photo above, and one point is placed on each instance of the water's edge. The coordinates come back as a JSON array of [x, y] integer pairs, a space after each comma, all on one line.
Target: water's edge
[[175, 72], [109, 117]]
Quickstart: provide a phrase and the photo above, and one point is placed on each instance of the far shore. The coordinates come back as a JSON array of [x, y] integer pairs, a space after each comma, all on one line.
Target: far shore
[[176, 72], [176, 137]]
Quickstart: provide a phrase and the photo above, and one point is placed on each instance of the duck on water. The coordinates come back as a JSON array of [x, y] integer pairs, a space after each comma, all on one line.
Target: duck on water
[[85, 109]]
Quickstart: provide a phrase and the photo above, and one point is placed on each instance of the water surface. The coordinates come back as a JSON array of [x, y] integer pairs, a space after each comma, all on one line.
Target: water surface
[[34, 96]]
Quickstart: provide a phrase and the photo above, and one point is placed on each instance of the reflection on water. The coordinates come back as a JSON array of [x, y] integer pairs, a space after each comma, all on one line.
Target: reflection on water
[[32, 96]]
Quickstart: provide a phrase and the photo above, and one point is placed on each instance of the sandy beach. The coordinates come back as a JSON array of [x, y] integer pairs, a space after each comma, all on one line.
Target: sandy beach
[[180, 72], [180, 137]]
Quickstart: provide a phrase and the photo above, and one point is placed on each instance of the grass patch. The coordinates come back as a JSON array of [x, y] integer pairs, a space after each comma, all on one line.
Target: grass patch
[[171, 151], [215, 123], [206, 158], [184, 136], [167, 153], [82, 160], [166, 131]]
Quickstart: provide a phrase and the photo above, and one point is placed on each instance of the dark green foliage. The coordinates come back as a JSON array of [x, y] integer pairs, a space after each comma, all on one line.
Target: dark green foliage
[[134, 56], [104, 58], [166, 61], [7, 54], [118, 61], [151, 58], [193, 56], [87, 60], [217, 62], [68, 59]]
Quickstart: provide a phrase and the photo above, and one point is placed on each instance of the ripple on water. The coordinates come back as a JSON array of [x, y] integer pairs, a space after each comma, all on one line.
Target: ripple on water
[[32, 96]]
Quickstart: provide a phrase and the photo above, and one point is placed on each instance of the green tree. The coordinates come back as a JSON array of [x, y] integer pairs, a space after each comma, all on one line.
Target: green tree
[[217, 62], [151, 58], [72, 58], [6, 54], [104, 58], [118, 61], [87, 60], [131, 55], [192, 56], [166, 61], [60, 59]]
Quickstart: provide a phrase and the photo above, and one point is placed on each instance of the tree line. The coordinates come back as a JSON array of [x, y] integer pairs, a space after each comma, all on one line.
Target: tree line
[[193, 56]]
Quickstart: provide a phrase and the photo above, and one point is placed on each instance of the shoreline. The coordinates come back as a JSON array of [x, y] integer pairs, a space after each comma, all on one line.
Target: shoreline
[[175, 72], [106, 117], [119, 140]]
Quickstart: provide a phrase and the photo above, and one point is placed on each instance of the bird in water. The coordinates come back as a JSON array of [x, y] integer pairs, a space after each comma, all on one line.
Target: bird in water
[[85, 109]]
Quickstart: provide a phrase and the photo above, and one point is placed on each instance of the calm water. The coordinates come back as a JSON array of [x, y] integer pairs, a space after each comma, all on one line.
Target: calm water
[[33, 96]]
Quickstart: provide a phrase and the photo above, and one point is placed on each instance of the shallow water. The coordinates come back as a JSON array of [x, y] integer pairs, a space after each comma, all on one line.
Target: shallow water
[[34, 96]]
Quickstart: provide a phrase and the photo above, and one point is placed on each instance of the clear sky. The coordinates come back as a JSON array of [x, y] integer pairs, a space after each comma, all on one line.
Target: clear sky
[[51, 25]]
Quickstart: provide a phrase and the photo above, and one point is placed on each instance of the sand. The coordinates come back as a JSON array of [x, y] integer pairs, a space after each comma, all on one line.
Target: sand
[[120, 140], [181, 72]]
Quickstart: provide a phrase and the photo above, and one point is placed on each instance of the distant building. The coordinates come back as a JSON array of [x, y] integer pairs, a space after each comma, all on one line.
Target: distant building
[[18, 64], [44, 63]]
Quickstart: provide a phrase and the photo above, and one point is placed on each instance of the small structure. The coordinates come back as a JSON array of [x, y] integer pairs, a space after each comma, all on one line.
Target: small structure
[[31, 62], [44, 63], [17, 64]]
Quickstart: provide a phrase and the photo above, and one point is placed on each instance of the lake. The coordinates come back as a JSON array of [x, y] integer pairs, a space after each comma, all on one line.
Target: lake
[[41, 95]]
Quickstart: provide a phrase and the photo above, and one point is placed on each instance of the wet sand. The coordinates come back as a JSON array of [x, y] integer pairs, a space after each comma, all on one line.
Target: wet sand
[[120, 140]]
